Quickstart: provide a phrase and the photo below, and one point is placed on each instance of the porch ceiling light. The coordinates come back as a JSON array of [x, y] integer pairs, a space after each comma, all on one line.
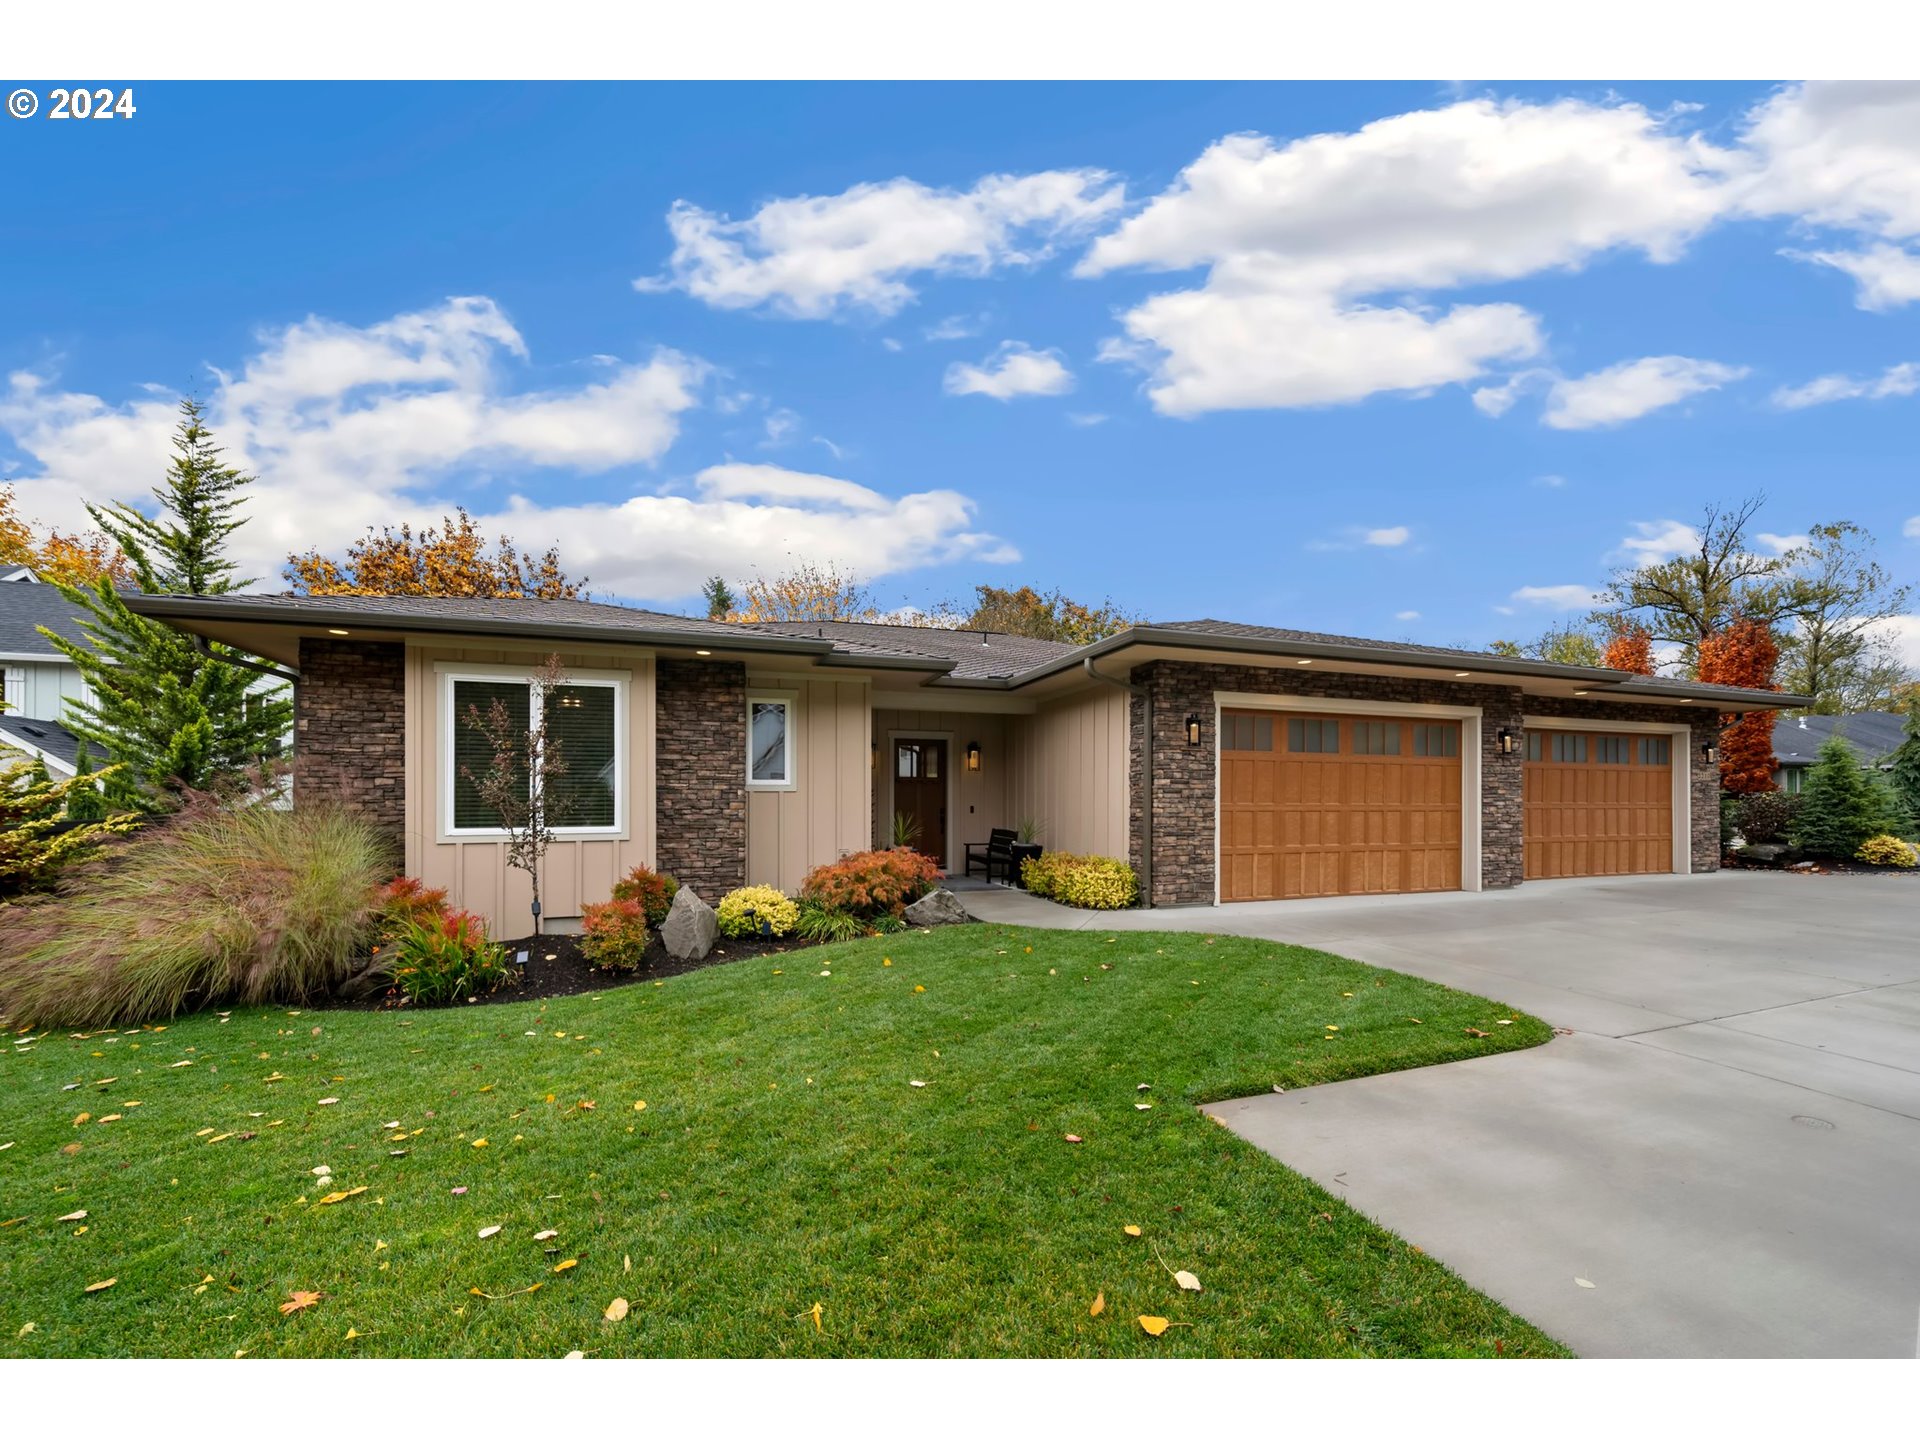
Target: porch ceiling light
[[1193, 729], [1461, 674], [973, 755], [703, 652], [1303, 662], [336, 632], [1579, 692]]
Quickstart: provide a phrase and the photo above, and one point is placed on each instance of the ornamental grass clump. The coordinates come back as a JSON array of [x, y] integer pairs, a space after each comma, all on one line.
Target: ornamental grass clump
[[217, 907], [1088, 882], [613, 934], [755, 910]]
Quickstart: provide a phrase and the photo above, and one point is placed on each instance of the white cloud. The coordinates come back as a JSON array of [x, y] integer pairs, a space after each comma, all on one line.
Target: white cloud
[[956, 327], [1390, 536], [1779, 544], [1406, 614], [1012, 370], [1557, 597], [820, 255], [1885, 276], [1903, 379], [1912, 528], [1631, 389], [781, 425], [1901, 633], [1086, 419], [1296, 234], [393, 422], [1654, 542], [1550, 482], [1496, 400]]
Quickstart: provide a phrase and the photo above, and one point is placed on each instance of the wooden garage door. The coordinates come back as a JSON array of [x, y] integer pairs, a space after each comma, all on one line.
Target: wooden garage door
[[1597, 804], [1337, 805]]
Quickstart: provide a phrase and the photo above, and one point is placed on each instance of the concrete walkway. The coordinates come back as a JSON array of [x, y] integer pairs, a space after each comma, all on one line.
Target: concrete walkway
[[1726, 1148]]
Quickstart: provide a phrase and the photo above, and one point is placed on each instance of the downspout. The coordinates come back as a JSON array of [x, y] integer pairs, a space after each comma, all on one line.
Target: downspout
[[1146, 775]]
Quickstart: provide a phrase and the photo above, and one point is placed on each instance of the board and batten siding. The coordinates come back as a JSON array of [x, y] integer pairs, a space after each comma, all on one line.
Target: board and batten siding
[[826, 813], [977, 800], [38, 690], [1070, 772], [475, 872]]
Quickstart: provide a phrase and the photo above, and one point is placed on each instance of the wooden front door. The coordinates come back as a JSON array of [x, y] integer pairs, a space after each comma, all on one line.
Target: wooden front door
[[920, 792], [1337, 805], [1597, 804]]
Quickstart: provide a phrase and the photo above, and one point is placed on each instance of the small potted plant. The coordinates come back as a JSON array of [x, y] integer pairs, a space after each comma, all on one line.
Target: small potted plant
[[1026, 843]]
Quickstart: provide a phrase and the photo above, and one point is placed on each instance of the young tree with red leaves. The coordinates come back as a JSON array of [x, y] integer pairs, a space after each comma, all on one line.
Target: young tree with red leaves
[[1631, 648], [1743, 653]]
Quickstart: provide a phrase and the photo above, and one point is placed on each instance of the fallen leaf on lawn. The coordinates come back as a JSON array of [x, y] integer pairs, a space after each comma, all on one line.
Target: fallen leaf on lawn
[[489, 1230], [300, 1300], [330, 1100], [1583, 1284], [565, 1265], [458, 1190], [639, 1104], [1099, 1303], [919, 989], [617, 1311], [1186, 1279], [337, 1196], [82, 1117], [81, 1231], [1503, 1022], [626, 1264], [918, 1084], [1143, 1105], [574, 1355], [545, 1234], [1154, 1324], [1143, 1087], [76, 1215], [1071, 1139], [322, 1170], [481, 1143], [353, 1334], [813, 1312], [26, 1330], [476, 1290], [99, 1285], [1133, 1230], [1478, 1034], [378, 1246]]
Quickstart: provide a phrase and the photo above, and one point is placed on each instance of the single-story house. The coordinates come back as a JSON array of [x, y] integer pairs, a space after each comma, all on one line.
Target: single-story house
[[36, 680], [1874, 735], [1227, 762]]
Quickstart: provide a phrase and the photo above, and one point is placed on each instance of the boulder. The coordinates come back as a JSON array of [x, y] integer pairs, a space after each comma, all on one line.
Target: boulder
[[1765, 854], [937, 907], [690, 928], [375, 976]]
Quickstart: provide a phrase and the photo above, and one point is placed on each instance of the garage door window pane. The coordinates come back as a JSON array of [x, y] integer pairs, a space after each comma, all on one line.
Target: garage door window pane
[[1437, 740], [1376, 737], [1655, 750], [1570, 749], [1313, 737], [1614, 749], [1536, 747]]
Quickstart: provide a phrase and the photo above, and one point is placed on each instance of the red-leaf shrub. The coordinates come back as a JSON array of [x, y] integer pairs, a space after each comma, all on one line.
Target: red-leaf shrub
[[1631, 648], [613, 935], [446, 956], [872, 882], [1744, 653], [404, 901], [654, 891]]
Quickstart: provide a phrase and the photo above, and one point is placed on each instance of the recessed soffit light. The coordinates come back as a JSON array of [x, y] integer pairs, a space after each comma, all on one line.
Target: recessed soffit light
[[336, 632], [703, 652]]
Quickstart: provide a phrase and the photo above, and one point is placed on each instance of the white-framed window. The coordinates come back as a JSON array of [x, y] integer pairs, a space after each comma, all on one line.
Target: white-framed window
[[771, 742], [586, 718]]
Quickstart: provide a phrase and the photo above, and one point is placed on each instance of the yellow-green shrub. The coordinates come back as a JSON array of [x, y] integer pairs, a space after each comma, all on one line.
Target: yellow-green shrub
[[1888, 850], [741, 913], [1089, 882]]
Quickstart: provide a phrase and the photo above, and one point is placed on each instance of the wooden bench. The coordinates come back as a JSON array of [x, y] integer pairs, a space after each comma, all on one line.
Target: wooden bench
[[996, 849]]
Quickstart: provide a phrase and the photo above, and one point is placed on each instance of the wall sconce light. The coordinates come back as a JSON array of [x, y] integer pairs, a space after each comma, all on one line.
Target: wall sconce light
[[1509, 742], [973, 755], [1710, 753], [1193, 729]]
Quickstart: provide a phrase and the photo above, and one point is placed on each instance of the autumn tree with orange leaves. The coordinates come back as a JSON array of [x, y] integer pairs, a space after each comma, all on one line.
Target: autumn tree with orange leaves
[[451, 559], [1631, 648], [1743, 653], [57, 557]]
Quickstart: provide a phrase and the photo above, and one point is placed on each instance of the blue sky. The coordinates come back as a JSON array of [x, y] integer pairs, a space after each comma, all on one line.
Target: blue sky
[[1416, 361]]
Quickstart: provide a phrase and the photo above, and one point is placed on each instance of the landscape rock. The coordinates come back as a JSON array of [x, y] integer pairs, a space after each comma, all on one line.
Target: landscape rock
[[690, 927], [938, 907], [1762, 854], [377, 975]]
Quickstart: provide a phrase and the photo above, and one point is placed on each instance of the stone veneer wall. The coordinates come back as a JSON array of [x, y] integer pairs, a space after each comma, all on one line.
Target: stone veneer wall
[[700, 774], [1184, 776], [350, 744]]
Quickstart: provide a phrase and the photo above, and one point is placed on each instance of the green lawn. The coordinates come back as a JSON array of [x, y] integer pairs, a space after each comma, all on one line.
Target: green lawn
[[783, 1159]]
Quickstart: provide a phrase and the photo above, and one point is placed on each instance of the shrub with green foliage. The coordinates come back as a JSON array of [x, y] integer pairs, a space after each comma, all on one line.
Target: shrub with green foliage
[[654, 891], [1903, 772], [755, 910], [1888, 850], [447, 957], [216, 907], [613, 934], [40, 836], [821, 923], [1089, 882], [1841, 805], [1766, 816], [872, 882]]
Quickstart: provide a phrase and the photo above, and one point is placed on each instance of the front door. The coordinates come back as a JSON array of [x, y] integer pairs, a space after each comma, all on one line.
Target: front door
[[920, 793]]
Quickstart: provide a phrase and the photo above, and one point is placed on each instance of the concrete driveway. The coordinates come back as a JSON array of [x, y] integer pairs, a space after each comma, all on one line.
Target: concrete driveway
[[1726, 1148]]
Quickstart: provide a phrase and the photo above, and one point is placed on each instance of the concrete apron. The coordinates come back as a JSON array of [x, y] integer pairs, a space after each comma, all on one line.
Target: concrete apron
[[1726, 1150]]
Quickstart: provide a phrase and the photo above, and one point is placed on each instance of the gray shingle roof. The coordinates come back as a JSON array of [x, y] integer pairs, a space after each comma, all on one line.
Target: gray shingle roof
[[24, 607], [977, 654], [1874, 733], [47, 736], [1237, 630]]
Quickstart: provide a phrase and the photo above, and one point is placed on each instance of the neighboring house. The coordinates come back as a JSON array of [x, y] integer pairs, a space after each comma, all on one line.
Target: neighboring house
[[1227, 762], [1875, 734], [36, 680]]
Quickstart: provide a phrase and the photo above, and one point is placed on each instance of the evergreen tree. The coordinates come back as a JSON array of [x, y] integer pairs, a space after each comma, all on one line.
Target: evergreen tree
[[173, 713], [1841, 805], [1905, 774], [85, 803], [719, 598]]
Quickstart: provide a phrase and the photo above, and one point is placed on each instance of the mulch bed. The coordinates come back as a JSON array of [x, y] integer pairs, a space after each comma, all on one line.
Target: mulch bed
[[1829, 867], [556, 967]]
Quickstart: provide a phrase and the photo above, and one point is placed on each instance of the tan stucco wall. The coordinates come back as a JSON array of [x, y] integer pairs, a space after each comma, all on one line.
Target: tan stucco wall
[[1070, 772], [826, 814], [977, 800], [475, 872]]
